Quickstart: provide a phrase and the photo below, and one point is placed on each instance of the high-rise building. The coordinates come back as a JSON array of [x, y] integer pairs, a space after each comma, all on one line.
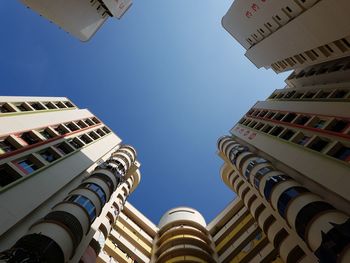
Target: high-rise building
[[81, 18], [290, 34], [64, 178], [288, 158]]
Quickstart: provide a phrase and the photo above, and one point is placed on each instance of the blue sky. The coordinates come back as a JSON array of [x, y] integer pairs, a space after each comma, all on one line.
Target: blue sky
[[166, 78]]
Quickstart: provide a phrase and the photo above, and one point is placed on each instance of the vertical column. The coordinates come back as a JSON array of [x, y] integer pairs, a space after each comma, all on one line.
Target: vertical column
[[55, 237], [324, 229]]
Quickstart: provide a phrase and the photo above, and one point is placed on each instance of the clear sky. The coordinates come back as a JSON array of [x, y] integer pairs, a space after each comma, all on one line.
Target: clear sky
[[166, 78]]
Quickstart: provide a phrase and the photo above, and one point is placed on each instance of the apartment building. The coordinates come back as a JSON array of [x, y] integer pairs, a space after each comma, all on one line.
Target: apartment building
[[285, 35], [80, 18], [64, 178]]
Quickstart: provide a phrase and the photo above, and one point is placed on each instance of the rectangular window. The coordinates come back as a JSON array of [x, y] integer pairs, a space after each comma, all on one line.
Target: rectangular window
[[7, 175], [289, 117], [85, 139], [94, 135], [303, 139], [279, 116], [89, 122], [6, 147], [338, 125], [27, 165], [318, 123], [37, 106], [76, 143], [302, 119], [4, 108], [343, 153], [339, 94], [100, 132], [46, 134], [29, 138], [318, 144], [106, 130], [81, 124], [287, 135], [60, 105], [72, 126], [267, 128], [61, 130], [49, 155], [21, 107], [50, 105], [63, 148], [277, 130], [69, 104]]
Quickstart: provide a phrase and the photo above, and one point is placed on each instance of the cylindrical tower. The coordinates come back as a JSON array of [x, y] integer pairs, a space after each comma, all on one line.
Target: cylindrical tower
[[183, 237], [56, 236], [274, 197]]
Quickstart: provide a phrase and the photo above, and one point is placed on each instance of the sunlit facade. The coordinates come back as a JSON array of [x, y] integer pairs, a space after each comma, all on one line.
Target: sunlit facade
[[64, 178], [80, 18]]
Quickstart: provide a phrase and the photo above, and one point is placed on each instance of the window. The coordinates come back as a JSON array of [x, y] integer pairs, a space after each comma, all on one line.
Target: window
[[61, 130], [309, 95], [29, 138], [289, 94], [271, 182], [287, 134], [95, 120], [303, 139], [27, 165], [93, 135], [287, 196], [98, 190], [82, 124], [318, 144], [343, 153], [277, 130], [85, 139], [260, 174], [63, 148], [60, 105], [4, 108], [49, 105], [72, 126], [46, 134], [89, 122], [319, 124], [7, 175], [106, 130], [69, 104], [302, 119], [37, 106], [267, 128], [100, 132], [338, 125], [279, 116], [289, 117], [338, 94], [75, 143], [49, 155], [85, 203], [6, 147], [324, 94], [22, 107], [259, 126]]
